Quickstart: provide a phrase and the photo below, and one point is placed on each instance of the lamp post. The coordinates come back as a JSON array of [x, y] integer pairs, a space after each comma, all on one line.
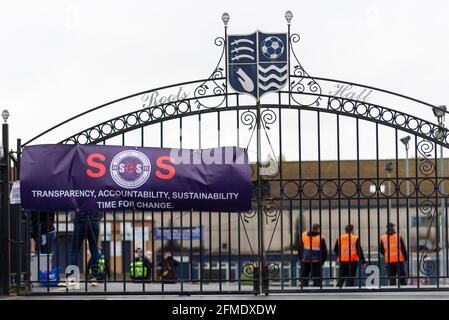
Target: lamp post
[[388, 169], [440, 112], [405, 140], [4, 210]]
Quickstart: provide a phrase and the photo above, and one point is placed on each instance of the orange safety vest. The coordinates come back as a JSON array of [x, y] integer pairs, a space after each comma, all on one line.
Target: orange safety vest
[[311, 242], [312, 246], [348, 251], [392, 247]]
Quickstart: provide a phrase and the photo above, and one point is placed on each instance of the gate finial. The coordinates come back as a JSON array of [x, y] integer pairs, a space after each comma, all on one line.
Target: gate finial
[[288, 16], [5, 115], [225, 17]]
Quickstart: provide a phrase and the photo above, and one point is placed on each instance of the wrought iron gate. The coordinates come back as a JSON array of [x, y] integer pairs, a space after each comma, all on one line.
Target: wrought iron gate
[[323, 151]]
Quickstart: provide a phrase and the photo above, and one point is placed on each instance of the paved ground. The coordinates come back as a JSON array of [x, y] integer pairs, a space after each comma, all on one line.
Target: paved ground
[[154, 290], [299, 296]]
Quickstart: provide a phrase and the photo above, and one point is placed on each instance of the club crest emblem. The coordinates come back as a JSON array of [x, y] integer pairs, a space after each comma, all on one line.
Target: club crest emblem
[[130, 169], [257, 63]]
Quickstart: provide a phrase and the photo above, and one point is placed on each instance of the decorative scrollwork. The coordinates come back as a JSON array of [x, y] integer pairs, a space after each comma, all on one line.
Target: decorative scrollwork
[[426, 166], [328, 189], [219, 41], [294, 37], [248, 118], [425, 148], [248, 270], [301, 84], [215, 85], [394, 119], [426, 207], [271, 211], [272, 267], [247, 215], [129, 122], [268, 117], [427, 267]]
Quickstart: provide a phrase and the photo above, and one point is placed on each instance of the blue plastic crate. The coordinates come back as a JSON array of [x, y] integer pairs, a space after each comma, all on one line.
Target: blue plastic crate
[[49, 278]]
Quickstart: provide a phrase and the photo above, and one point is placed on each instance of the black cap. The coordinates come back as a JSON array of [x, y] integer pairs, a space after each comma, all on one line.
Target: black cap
[[390, 225]]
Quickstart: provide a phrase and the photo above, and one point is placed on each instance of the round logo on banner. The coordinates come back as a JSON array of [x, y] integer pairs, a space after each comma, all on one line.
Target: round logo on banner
[[130, 169]]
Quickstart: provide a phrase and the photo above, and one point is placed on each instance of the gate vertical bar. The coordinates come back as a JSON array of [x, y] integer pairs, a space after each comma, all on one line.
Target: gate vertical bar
[[225, 18], [18, 211], [259, 201], [417, 214], [437, 217]]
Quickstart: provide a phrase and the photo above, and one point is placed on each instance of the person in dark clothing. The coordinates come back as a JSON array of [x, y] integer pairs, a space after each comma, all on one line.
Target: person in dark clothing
[[168, 268], [43, 231], [393, 248], [86, 226], [350, 253], [99, 270], [312, 252], [141, 268]]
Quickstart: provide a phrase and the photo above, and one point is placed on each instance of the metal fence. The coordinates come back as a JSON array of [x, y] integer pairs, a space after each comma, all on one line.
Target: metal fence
[[353, 160]]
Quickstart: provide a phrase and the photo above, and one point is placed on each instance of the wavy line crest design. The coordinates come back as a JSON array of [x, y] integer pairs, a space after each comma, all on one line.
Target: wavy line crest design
[[272, 76], [270, 85], [272, 67]]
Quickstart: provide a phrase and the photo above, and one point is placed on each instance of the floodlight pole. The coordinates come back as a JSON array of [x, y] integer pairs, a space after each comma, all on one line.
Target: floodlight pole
[[407, 171], [442, 230], [440, 112], [388, 169], [406, 142]]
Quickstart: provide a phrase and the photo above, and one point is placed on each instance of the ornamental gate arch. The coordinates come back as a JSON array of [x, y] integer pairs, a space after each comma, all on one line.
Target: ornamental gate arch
[[320, 151]]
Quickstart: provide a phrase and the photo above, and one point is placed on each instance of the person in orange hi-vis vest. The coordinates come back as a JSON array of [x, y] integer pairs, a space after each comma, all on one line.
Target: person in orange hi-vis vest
[[392, 247], [312, 254], [350, 253]]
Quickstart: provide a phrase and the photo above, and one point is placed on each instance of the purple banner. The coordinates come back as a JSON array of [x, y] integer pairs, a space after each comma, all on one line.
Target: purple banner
[[105, 178]]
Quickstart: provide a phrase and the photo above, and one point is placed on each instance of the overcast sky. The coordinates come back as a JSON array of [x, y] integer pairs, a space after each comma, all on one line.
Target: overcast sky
[[58, 58]]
